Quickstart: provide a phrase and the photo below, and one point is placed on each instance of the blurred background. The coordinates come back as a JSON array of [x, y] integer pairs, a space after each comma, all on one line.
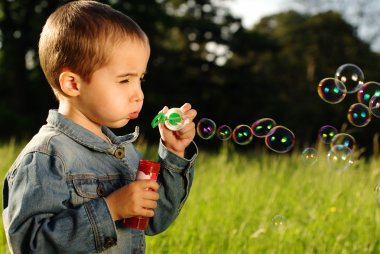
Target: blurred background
[[235, 61]]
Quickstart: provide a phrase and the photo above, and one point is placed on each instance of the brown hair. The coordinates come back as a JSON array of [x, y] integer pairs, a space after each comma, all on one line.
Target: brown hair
[[78, 36]]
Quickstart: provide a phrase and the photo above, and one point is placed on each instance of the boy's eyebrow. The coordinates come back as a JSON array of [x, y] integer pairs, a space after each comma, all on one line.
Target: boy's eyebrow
[[129, 74]]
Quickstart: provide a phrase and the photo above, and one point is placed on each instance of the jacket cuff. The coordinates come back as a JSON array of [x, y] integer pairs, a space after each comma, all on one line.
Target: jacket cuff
[[176, 163]]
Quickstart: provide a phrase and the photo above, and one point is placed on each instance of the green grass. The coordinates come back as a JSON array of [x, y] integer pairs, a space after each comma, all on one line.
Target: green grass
[[235, 196], [8, 153]]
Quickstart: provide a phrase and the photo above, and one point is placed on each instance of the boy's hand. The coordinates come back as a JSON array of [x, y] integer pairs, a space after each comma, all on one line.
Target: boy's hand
[[177, 141], [134, 199]]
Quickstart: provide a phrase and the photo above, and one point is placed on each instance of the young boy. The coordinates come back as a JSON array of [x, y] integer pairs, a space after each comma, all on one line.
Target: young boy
[[73, 184]]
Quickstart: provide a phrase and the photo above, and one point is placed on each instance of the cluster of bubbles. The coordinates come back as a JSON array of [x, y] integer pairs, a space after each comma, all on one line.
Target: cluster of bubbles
[[349, 79], [341, 147], [278, 138]]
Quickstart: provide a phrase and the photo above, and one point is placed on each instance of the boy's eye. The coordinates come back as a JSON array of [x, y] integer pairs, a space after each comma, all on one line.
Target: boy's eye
[[124, 81]]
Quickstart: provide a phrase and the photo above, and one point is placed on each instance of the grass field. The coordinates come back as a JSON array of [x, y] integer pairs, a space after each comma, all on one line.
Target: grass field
[[236, 196]]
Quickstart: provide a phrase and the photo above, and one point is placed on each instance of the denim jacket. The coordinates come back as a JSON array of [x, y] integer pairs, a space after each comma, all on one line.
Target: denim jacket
[[53, 196]]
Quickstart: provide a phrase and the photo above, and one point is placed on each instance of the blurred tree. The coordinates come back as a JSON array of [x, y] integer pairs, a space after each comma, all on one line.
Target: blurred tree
[[305, 49], [203, 55], [363, 15], [180, 34], [20, 99]]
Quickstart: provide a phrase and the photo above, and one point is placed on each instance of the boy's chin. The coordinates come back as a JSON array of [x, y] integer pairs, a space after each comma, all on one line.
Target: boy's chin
[[118, 124]]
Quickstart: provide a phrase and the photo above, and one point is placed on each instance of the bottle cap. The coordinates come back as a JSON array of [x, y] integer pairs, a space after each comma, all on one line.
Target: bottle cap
[[149, 167], [174, 119]]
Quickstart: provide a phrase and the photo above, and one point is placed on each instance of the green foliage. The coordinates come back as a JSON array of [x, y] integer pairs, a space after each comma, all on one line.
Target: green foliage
[[203, 55], [235, 197]]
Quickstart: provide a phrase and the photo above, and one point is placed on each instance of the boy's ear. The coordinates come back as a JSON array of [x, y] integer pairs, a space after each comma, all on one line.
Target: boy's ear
[[69, 83]]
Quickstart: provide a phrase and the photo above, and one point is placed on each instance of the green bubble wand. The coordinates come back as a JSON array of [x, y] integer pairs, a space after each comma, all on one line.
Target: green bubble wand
[[172, 119]]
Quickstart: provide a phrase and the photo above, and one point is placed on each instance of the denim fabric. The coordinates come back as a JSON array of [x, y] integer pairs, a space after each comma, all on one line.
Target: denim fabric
[[53, 194]]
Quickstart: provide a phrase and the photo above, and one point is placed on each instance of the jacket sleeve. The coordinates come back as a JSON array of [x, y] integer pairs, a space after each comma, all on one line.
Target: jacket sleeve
[[37, 216], [175, 179]]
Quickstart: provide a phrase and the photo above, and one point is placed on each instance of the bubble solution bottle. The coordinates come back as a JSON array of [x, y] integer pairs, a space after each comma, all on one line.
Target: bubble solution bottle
[[146, 170]]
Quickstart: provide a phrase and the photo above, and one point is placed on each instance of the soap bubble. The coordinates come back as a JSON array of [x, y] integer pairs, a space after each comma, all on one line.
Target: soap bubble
[[242, 134], [279, 223], [261, 127], [351, 76], [309, 155], [340, 157], [331, 90], [344, 139], [359, 115], [326, 133], [280, 139], [224, 132], [206, 128], [367, 91], [374, 106]]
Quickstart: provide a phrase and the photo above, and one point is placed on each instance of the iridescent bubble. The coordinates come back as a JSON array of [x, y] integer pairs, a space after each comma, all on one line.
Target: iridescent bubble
[[344, 139], [331, 90], [340, 157], [242, 134], [224, 132], [367, 91], [326, 133], [279, 223], [262, 127], [359, 115], [206, 128], [280, 139], [374, 106], [310, 155], [351, 76]]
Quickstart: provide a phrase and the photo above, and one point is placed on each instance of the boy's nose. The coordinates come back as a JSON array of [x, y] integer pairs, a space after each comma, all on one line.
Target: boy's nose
[[139, 96]]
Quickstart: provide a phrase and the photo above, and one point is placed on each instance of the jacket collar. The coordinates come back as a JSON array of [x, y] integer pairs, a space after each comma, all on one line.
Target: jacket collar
[[86, 137]]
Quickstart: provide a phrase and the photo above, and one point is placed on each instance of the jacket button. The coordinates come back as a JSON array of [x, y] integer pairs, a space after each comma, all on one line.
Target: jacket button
[[100, 190], [109, 242], [119, 153]]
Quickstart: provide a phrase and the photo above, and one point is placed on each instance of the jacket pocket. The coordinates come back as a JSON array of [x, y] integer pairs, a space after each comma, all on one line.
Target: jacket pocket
[[84, 188]]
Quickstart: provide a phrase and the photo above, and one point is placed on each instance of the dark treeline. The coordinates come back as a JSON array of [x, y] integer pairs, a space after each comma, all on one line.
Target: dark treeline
[[203, 55]]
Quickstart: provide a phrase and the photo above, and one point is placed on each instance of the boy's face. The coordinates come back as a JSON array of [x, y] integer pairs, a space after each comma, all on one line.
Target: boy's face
[[113, 95]]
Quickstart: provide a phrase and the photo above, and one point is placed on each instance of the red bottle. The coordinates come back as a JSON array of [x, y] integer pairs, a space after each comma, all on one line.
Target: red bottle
[[147, 170]]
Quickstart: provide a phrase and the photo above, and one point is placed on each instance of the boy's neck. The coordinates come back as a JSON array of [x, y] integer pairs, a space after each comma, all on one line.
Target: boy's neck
[[79, 118]]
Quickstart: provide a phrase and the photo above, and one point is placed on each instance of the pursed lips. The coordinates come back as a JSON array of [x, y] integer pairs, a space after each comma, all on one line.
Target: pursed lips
[[134, 115]]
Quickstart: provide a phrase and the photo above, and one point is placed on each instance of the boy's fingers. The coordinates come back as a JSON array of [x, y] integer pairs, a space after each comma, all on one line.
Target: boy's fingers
[[188, 128], [149, 184], [151, 195], [191, 114], [164, 109], [148, 213], [185, 136], [150, 204], [186, 107], [190, 134]]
